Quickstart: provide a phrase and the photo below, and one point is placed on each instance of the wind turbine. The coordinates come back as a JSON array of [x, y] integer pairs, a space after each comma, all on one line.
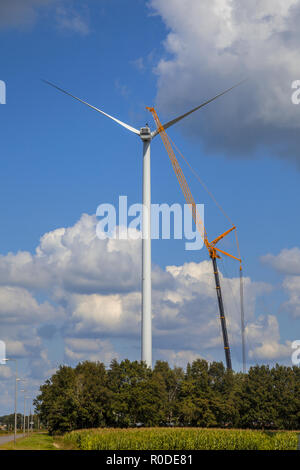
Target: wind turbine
[[146, 136]]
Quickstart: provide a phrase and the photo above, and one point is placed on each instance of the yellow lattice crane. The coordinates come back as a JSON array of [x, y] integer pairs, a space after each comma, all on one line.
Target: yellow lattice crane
[[211, 246]]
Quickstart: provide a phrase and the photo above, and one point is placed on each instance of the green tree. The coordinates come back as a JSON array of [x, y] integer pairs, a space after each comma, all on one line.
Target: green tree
[[258, 407], [57, 404], [285, 397], [197, 396], [171, 380], [138, 396], [92, 394]]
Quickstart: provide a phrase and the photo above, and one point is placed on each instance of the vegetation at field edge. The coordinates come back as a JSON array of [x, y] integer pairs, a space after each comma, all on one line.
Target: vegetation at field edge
[[181, 439]]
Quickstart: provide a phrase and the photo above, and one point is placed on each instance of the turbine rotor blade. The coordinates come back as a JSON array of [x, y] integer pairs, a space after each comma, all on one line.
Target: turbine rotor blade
[[174, 121], [130, 128]]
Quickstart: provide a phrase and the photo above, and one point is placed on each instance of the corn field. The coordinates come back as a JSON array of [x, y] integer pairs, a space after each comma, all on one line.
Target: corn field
[[181, 439]]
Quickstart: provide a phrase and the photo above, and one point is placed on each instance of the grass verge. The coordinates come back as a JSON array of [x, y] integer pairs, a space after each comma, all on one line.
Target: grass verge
[[36, 441]]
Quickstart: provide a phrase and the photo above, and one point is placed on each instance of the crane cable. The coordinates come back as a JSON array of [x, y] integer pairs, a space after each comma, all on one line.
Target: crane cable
[[238, 249], [243, 319], [202, 183]]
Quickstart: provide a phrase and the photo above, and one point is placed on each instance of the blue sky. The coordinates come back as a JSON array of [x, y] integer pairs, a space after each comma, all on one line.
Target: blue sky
[[60, 160]]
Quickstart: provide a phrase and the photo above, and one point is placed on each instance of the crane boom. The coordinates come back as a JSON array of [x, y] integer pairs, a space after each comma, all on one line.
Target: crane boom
[[213, 251], [180, 176]]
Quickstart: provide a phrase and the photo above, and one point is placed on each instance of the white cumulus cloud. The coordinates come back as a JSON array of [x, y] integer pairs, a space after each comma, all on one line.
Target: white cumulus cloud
[[213, 44], [286, 262], [82, 296], [264, 336], [82, 349]]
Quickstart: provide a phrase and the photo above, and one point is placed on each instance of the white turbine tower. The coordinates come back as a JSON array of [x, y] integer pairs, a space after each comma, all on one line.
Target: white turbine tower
[[146, 136]]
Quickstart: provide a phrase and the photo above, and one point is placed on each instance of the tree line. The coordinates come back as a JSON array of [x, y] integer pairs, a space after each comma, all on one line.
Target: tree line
[[129, 394], [7, 422]]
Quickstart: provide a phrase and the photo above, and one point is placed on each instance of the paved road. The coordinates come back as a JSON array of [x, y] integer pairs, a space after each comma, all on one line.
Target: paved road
[[10, 437]]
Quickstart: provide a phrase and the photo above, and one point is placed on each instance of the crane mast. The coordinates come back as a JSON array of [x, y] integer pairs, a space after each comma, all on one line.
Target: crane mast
[[211, 246], [222, 314]]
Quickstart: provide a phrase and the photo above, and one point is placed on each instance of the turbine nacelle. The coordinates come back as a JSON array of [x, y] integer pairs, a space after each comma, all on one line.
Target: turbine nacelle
[[145, 133]]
